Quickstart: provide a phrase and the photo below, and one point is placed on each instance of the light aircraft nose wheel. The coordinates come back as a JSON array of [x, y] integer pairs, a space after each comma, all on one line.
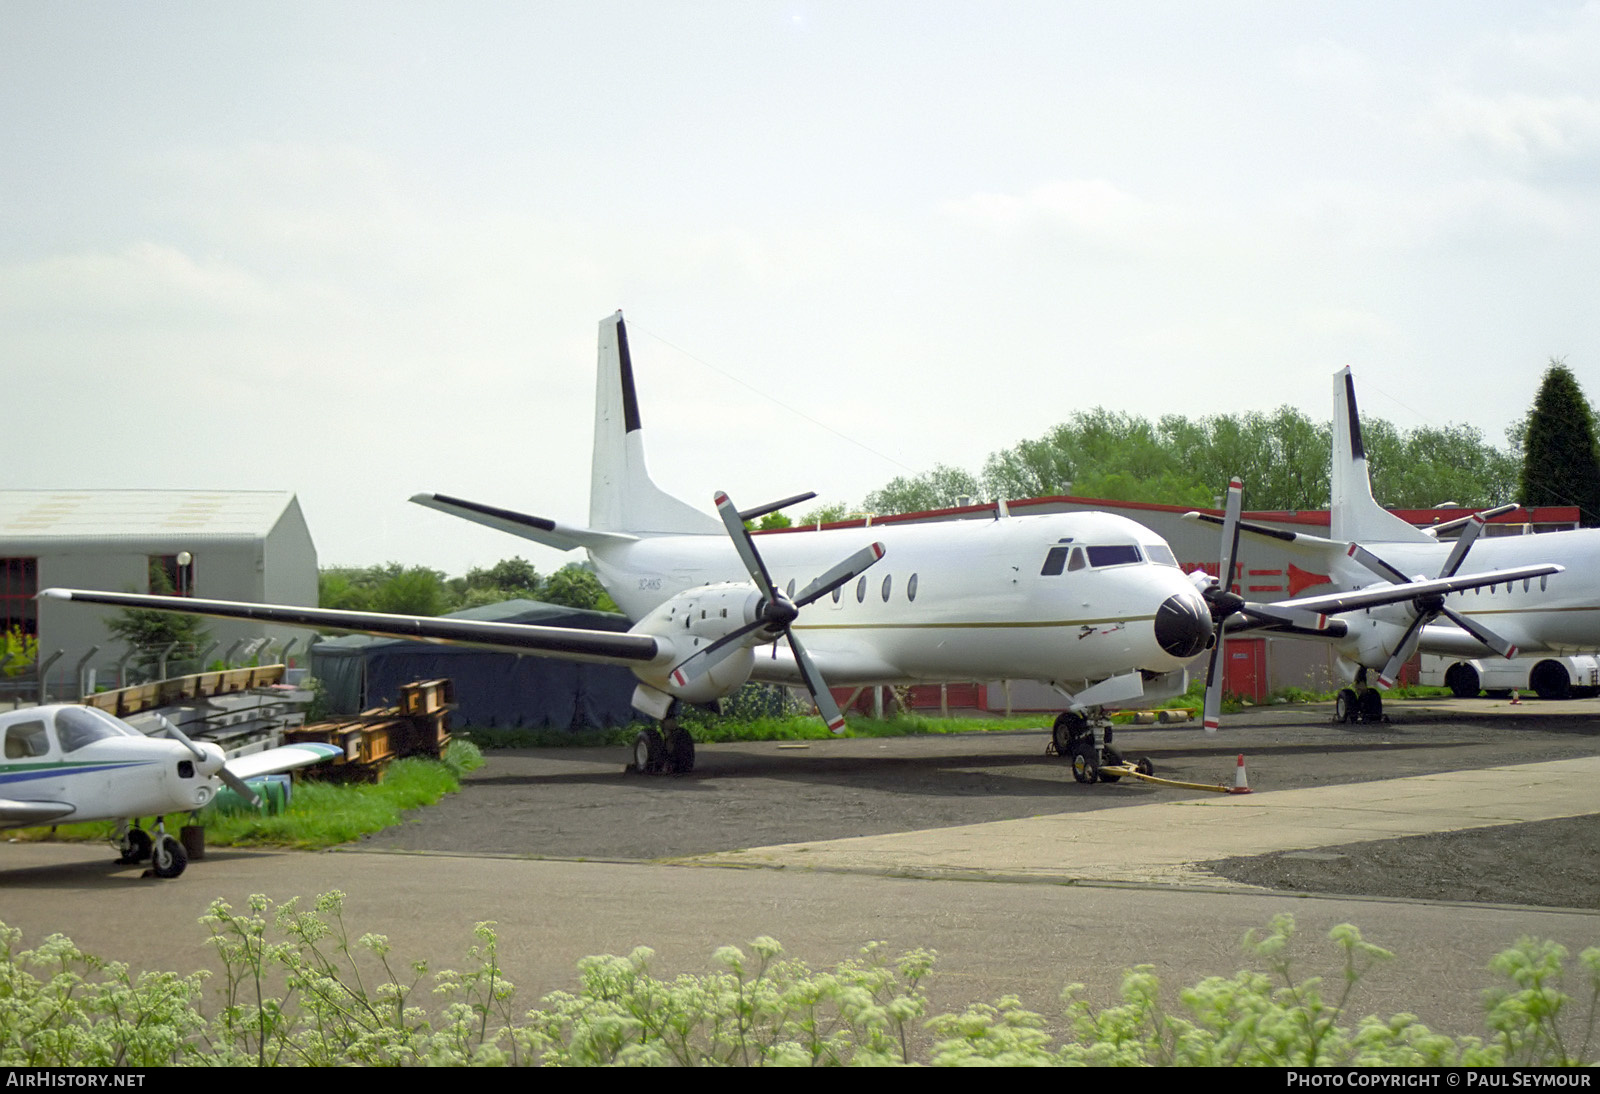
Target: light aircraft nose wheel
[[167, 856], [136, 845], [648, 752]]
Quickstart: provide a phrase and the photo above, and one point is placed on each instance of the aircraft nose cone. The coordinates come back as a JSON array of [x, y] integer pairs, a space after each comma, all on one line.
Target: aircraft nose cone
[[1183, 626]]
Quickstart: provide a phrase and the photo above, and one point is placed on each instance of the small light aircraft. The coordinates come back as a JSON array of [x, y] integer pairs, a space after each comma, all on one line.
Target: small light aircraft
[[1090, 603], [1510, 608], [65, 764]]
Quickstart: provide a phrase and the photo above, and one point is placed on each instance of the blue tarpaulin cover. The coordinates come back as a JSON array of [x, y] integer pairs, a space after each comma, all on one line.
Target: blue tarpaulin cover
[[492, 690]]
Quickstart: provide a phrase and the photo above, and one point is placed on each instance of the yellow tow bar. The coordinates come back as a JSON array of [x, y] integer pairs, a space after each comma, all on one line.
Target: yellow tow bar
[[1128, 771]]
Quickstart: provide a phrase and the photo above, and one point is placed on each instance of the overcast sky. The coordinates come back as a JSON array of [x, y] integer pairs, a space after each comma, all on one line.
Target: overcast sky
[[359, 250]]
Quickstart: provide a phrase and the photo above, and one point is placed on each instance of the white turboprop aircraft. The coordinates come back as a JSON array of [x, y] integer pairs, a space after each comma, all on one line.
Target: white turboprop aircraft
[[1090, 603], [1521, 610], [66, 764]]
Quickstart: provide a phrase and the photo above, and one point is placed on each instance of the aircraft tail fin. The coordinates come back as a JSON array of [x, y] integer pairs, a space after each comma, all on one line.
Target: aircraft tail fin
[[622, 497], [1354, 515]]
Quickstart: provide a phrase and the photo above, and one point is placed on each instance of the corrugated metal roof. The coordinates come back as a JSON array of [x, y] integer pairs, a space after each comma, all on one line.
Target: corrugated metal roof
[[82, 514]]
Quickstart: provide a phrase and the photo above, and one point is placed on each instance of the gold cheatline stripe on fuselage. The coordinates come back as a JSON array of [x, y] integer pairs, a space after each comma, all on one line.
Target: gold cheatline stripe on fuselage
[[970, 626], [1525, 611]]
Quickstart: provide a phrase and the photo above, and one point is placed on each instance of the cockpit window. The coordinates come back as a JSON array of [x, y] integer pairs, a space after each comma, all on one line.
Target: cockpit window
[[77, 726], [1161, 554], [1077, 562], [1054, 562], [1120, 554]]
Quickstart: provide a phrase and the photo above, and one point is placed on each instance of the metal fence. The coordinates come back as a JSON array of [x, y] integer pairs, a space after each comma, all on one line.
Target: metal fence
[[64, 676]]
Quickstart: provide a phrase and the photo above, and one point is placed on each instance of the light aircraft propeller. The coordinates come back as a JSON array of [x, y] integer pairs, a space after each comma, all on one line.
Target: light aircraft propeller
[[206, 759], [776, 613]]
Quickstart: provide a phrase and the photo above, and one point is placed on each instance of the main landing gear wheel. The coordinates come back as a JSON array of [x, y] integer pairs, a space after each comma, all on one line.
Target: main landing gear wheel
[[136, 845], [1346, 707], [679, 750], [1372, 706], [167, 857], [648, 752]]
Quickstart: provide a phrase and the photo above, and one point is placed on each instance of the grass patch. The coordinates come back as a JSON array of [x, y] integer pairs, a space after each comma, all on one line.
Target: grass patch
[[795, 727]]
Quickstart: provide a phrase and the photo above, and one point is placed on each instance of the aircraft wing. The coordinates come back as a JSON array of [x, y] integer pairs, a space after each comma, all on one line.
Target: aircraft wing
[[1377, 596], [287, 758], [13, 813], [566, 643]]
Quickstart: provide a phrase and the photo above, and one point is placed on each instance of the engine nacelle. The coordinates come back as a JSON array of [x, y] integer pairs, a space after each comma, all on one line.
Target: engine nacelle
[[691, 621]]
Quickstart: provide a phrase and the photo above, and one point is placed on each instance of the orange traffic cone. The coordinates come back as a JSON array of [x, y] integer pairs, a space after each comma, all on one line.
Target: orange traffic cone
[[1241, 782]]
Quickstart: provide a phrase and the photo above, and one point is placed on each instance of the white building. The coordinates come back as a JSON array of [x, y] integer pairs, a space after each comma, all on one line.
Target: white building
[[220, 544]]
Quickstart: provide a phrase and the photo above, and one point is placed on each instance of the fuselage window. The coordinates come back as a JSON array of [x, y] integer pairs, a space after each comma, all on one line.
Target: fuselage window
[[25, 740], [1077, 562], [911, 587], [861, 591], [1055, 562], [888, 583], [1161, 553], [1119, 554], [836, 591]]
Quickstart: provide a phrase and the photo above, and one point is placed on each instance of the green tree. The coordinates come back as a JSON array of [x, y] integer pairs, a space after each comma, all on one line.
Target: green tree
[[825, 514], [1560, 465], [941, 488], [576, 587], [402, 590], [150, 632]]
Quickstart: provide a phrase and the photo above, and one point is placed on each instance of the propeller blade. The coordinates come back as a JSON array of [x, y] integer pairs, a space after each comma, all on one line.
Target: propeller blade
[[239, 787], [182, 738], [1480, 632], [1213, 704], [1230, 534], [838, 575], [1458, 553], [1402, 652], [702, 661], [816, 685], [1289, 615], [1376, 564], [744, 545]]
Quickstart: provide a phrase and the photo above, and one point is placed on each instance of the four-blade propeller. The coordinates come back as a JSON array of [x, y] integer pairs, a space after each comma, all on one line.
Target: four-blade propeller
[[1311, 615], [775, 614], [1428, 608]]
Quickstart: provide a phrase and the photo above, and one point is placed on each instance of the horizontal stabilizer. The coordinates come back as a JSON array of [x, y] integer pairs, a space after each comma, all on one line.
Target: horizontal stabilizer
[[563, 537], [566, 643]]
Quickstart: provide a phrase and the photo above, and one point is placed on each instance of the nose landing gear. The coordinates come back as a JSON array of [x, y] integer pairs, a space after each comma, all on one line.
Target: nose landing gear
[[1073, 739]]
